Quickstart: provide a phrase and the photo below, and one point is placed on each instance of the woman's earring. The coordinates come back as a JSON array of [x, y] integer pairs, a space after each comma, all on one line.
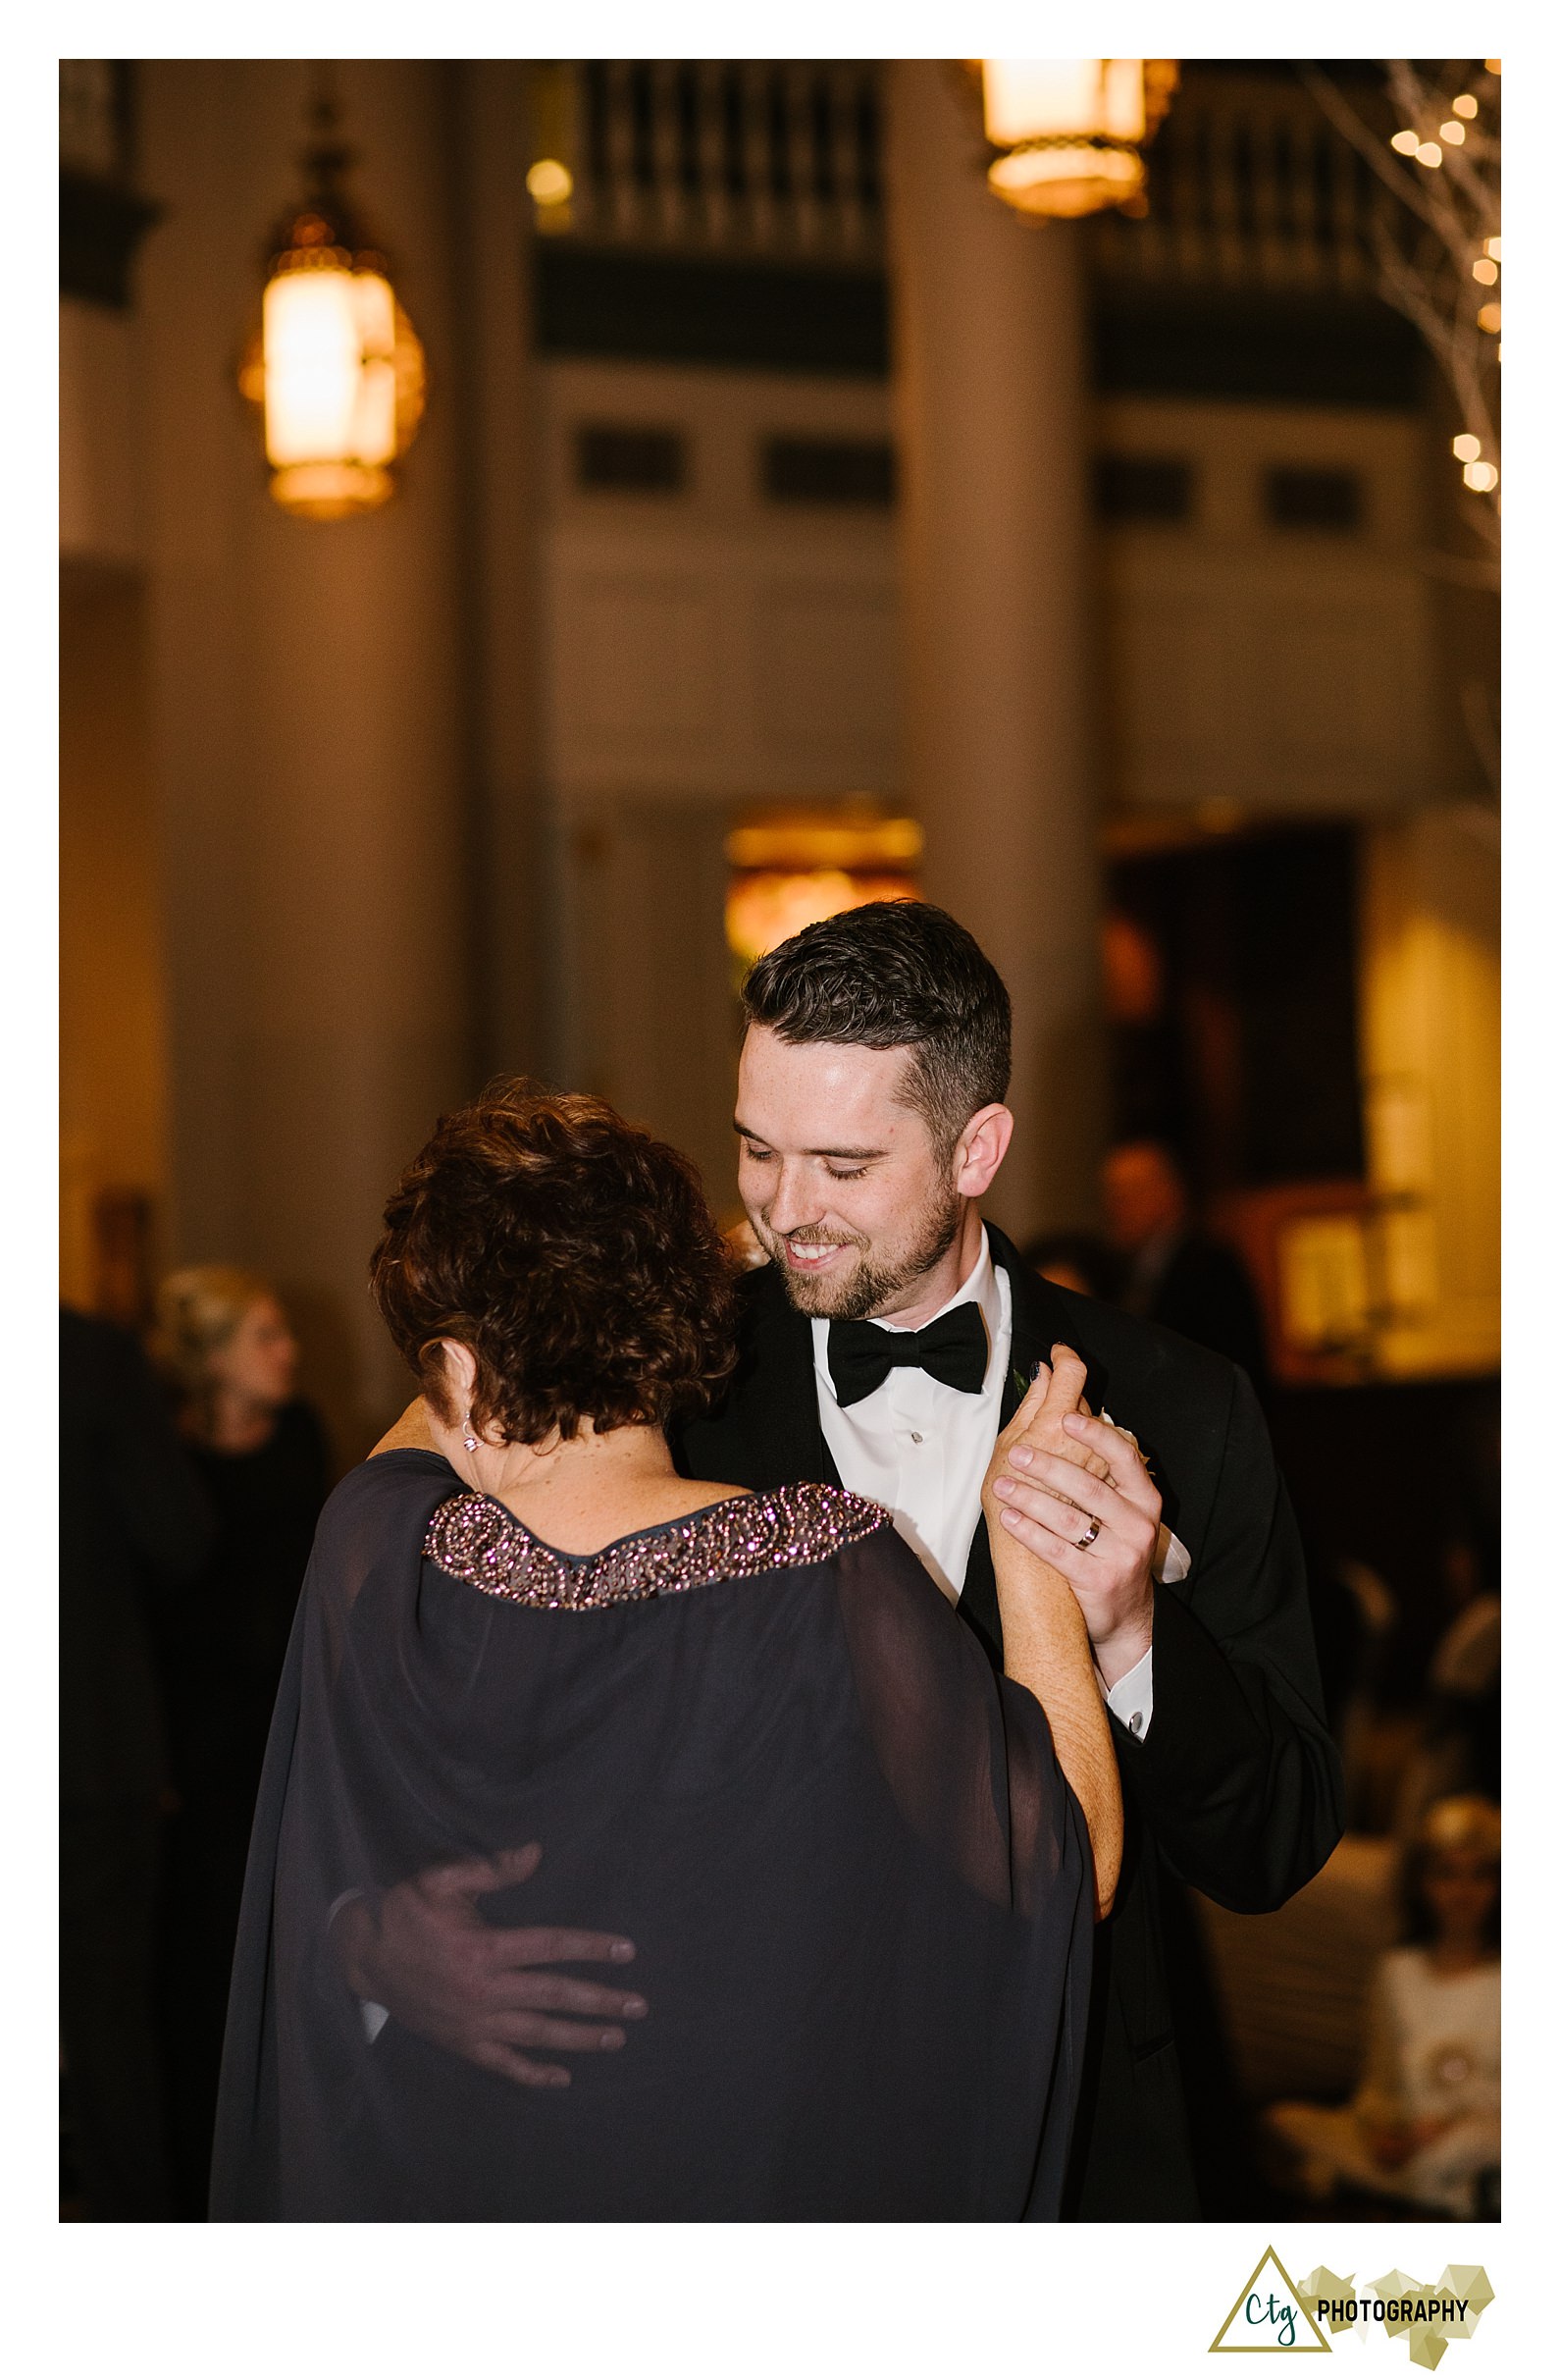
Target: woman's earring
[[469, 1441]]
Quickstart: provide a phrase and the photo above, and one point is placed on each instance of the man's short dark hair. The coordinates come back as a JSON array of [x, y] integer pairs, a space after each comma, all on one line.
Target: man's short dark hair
[[896, 974]]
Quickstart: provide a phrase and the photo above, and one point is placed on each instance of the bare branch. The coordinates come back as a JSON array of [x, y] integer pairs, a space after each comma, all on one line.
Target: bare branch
[[1359, 135], [1429, 278]]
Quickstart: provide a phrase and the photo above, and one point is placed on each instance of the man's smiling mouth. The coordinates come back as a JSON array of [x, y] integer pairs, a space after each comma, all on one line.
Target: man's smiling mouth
[[811, 1256]]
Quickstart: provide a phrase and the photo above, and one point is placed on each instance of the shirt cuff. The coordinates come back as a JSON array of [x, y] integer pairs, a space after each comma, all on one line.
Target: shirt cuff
[[375, 2018], [1132, 1698], [1171, 1561]]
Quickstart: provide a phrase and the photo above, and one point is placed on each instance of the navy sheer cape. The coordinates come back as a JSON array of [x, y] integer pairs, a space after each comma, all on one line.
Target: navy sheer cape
[[858, 1882]]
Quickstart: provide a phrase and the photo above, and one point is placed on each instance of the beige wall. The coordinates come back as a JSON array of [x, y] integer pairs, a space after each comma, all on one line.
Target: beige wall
[[101, 508], [698, 652], [1271, 671], [113, 1021]]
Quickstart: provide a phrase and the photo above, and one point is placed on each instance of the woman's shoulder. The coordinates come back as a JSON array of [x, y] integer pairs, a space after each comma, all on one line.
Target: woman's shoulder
[[407, 1483]]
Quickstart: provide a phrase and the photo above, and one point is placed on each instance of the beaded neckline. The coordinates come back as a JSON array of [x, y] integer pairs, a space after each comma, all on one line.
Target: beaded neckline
[[475, 1539]]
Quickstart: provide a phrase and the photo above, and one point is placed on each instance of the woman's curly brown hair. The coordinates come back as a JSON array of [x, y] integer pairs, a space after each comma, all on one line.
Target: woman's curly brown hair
[[573, 1253]]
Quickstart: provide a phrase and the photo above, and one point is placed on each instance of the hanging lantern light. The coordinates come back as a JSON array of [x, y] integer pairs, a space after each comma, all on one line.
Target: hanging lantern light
[[335, 370], [1067, 133]]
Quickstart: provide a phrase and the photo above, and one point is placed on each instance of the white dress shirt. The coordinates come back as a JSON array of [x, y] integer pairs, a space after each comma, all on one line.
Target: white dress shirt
[[921, 1449]]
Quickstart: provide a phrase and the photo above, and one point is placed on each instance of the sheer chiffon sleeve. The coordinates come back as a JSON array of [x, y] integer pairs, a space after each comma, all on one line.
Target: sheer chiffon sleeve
[[858, 1881], [967, 1757]]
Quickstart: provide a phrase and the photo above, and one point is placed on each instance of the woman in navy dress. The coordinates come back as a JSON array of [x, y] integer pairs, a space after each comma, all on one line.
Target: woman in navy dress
[[786, 1898]]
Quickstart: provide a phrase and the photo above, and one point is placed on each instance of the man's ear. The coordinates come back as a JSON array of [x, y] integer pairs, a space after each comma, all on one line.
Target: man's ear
[[982, 1147]]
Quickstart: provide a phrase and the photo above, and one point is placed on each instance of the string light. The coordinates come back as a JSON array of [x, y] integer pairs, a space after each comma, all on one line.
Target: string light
[[1426, 289]]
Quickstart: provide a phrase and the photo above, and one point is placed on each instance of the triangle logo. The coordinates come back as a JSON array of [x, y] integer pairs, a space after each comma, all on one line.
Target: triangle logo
[[1268, 2317]]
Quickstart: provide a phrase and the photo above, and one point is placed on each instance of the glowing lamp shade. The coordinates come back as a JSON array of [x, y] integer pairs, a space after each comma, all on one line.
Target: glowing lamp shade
[[1035, 99], [1067, 133], [334, 372], [342, 375]]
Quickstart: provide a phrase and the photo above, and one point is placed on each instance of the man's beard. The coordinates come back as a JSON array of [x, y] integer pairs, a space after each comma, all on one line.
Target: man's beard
[[871, 1287]]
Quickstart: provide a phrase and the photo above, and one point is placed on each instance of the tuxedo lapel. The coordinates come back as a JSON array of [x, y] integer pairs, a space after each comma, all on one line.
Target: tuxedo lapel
[[790, 1396], [1038, 1322], [775, 1395]]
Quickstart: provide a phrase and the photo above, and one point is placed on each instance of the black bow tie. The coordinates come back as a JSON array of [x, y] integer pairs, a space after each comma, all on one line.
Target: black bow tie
[[953, 1349]]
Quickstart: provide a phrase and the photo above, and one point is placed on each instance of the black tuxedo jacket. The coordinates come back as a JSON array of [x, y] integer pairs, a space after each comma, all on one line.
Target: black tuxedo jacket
[[1235, 1788]]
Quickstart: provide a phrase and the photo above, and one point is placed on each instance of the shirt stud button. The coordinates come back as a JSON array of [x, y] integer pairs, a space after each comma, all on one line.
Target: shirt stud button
[[916, 1438]]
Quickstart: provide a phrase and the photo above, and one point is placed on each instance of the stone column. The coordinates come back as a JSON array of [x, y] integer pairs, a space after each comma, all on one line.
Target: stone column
[[493, 304], [307, 700], [997, 603]]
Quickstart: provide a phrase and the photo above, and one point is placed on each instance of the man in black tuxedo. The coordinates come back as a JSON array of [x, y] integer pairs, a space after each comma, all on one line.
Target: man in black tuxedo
[[887, 1341]]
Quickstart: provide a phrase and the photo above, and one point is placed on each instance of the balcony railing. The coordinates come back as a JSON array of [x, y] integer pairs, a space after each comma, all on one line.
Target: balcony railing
[[728, 157], [1249, 186]]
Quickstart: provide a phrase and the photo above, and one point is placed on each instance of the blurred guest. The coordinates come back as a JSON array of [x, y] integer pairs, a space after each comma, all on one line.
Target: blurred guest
[[1425, 2123], [1458, 1743], [134, 1524], [1080, 1261], [1177, 1275], [231, 1359], [1465, 1669], [1354, 1646]]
